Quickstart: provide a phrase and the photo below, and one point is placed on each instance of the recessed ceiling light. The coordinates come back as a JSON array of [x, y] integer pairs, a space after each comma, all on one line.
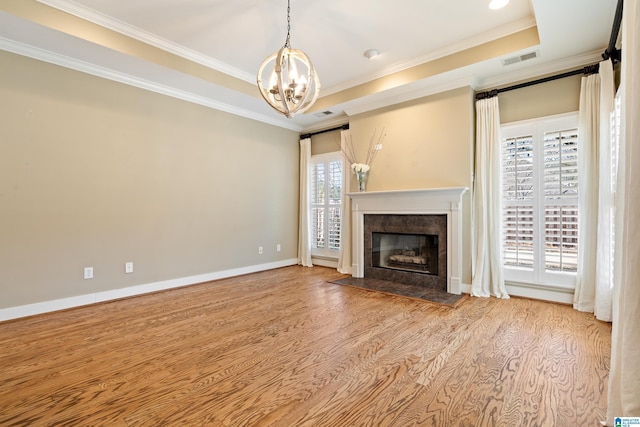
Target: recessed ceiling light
[[498, 4], [371, 53]]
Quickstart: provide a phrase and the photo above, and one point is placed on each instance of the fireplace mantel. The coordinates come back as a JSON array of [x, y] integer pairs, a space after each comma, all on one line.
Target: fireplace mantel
[[427, 201]]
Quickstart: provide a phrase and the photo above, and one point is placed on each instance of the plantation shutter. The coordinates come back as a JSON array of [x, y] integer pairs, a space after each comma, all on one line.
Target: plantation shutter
[[317, 205], [326, 204], [561, 200], [518, 198], [335, 204]]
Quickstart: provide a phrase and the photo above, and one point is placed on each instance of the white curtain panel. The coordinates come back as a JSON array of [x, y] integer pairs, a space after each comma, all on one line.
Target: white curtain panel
[[588, 123], [487, 266], [344, 255], [624, 375], [304, 240], [604, 263], [594, 281]]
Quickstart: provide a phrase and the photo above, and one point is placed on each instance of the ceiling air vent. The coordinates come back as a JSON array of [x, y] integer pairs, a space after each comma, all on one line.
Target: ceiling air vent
[[519, 58], [324, 113]]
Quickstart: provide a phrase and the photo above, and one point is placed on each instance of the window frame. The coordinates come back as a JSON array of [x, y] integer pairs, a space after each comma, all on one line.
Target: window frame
[[538, 274]]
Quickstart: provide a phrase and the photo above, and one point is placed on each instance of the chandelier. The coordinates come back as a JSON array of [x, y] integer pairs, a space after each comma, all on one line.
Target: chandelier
[[293, 84]]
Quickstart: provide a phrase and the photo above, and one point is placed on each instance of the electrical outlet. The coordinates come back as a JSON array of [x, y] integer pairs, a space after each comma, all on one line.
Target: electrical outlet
[[88, 272], [128, 267], [260, 250], [278, 247]]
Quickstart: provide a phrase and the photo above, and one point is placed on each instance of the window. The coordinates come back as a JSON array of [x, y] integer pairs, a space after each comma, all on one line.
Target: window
[[540, 200], [326, 204]]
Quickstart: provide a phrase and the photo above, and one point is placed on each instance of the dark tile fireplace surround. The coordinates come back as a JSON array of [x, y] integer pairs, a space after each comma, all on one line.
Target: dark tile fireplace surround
[[434, 230], [404, 208]]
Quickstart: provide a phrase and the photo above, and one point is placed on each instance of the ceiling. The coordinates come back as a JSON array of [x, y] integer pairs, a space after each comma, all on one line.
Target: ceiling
[[208, 51]]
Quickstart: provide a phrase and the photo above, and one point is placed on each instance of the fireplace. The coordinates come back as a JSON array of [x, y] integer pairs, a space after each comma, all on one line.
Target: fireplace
[[385, 219], [409, 249]]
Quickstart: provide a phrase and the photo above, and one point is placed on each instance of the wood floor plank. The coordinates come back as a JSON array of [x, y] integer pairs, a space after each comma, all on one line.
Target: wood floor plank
[[287, 348]]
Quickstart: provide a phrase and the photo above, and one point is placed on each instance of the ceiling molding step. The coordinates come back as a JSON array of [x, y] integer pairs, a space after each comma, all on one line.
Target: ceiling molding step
[[409, 93], [452, 49], [535, 71], [146, 37], [136, 33], [109, 74]]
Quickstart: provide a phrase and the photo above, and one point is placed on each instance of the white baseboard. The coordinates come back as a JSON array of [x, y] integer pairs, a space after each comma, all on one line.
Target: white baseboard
[[541, 292], [324, 262], [80, 300]]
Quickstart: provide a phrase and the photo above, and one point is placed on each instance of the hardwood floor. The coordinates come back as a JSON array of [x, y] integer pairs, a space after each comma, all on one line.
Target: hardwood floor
[[287, 348]]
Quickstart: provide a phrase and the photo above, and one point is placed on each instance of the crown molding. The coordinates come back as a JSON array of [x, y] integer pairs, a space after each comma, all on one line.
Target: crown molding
[[136, 33], [120, 77]]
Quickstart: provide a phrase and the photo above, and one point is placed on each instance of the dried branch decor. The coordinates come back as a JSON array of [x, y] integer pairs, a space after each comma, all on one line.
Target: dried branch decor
[[350, 155]]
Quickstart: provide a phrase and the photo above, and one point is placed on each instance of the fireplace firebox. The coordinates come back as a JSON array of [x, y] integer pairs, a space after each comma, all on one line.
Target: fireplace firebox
[[407, 252], [410, 249]]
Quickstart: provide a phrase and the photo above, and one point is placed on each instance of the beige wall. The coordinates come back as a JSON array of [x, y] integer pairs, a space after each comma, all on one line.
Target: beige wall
[[428, 144], [96, 173], [545, 99], [327, 142]]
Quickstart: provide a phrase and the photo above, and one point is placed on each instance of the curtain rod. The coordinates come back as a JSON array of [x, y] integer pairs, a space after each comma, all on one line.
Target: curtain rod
[[589, 69], [611, 51], [309, 135]]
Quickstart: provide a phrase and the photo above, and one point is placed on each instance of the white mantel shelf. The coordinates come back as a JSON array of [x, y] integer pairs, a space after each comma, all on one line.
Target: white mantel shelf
[[426, 201]]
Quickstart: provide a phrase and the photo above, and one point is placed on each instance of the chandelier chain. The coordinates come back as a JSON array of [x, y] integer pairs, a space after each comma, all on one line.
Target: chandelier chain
[[287, 43]]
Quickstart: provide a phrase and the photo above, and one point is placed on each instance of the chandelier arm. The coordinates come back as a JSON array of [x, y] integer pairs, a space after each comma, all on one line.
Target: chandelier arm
[[281, 88]]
